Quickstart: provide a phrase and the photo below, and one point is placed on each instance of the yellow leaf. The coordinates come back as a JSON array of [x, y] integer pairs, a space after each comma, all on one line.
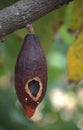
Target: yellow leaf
[[75, 59], [77, 15]]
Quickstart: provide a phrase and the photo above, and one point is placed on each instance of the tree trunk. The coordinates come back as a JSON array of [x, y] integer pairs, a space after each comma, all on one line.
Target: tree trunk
[[23, 12]]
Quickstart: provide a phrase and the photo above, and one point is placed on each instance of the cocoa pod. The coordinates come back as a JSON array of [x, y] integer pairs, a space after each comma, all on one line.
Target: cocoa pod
[[31, 74]]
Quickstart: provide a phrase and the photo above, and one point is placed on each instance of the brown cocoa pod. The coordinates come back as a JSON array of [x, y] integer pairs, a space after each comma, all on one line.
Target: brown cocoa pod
[[31, 74]]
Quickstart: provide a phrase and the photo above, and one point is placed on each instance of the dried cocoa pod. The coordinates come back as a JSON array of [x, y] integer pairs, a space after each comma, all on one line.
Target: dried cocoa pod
[[31, 74]]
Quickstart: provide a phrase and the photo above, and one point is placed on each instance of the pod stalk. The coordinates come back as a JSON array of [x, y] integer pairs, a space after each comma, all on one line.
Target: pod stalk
[[30, 28]]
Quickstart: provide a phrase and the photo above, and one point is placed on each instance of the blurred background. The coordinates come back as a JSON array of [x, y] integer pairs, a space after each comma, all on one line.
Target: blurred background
[[62, 107]]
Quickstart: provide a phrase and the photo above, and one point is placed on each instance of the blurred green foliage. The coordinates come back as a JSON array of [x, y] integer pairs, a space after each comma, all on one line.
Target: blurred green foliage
[[6, 3], [62, 107], [10, 116]]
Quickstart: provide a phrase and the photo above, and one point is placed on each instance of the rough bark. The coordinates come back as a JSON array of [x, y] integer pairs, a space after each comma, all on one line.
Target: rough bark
[[25, 11]]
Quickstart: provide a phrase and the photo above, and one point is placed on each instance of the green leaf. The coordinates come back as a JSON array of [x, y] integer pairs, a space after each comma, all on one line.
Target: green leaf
[[5, 3], [12, 45]]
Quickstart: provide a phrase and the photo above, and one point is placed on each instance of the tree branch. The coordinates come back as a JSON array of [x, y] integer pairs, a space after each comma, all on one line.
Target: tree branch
[[23, 12]]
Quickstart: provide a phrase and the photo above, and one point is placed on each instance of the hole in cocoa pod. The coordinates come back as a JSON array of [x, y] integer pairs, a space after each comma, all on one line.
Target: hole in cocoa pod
[[34, 87]]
